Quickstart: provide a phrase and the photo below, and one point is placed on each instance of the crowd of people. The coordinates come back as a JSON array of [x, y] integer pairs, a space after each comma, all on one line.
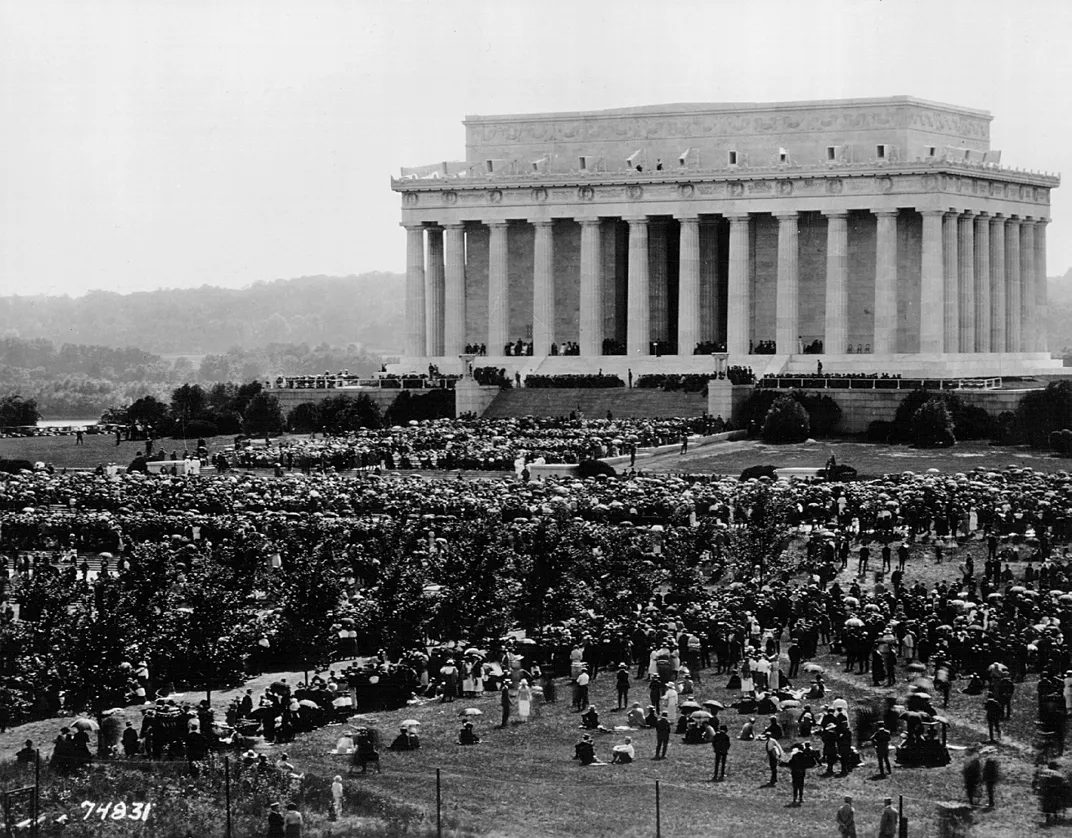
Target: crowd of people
[[1003, 612]]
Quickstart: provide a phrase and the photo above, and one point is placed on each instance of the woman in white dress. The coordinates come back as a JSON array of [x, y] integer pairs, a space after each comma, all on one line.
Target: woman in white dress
[[524, 701], [747, 685]]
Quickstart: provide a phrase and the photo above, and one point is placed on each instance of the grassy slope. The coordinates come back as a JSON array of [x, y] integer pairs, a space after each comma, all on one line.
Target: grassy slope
[[868, 459]]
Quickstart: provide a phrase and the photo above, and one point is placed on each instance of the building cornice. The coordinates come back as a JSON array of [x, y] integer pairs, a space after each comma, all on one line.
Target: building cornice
[[740, 174]]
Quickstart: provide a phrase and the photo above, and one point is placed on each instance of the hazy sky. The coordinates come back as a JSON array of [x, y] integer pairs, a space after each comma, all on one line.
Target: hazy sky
[[148, 144]]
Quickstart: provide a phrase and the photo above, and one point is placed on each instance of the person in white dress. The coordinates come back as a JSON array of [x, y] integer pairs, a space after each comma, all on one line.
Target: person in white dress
[[524, 701], [669, 701]]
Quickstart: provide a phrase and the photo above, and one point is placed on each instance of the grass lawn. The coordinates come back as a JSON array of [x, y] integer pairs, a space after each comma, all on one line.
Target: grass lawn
[[869, 459], [521, 781]]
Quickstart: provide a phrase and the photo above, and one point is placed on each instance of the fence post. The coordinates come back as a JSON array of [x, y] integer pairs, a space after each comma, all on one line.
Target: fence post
[[227, 790], [35, 829], [438, 807], [658, 813]]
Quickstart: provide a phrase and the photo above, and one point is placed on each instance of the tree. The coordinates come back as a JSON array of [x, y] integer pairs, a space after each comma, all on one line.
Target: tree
[[188, 402], [263, 415], [151, 412], [786, 421], [15, 410], [305, 418], [932, 425], [1041, 412], [758, 548], [344, 413]]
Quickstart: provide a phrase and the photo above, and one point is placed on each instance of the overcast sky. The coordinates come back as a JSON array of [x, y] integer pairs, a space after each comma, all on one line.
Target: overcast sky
[[164, 144]]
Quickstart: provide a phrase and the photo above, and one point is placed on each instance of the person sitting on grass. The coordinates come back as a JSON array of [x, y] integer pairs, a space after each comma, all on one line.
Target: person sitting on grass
[[635, 717], [651, 719], [590, 718], [623, 753], [365, 751], [405, 741], [585, 752], [748, 732], [467, 736]]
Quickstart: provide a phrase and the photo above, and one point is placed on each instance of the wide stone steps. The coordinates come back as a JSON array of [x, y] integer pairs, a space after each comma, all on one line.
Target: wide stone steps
[[594, 403]]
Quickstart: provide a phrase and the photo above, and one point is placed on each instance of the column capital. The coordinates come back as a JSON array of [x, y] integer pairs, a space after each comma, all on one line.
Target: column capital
[[885, 212], [998, 218], [589, 222], [739, 218], [453, 225], [1042, 222], [411, 227], [541, 222], [982, 216], [688, 217], [792, 215], [966, 213], [1028, 220], [933, 213], [635, 219], [836, 213], [497, 222]]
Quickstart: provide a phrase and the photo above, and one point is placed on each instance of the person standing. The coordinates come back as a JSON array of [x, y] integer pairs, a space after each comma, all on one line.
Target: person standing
[[799, 763], [504, 695], [623, 686], [991, 775], [846, 819], [881, 739], [887, 824], [972, 773], [336, 797], [662, 735], [524, 701], [774, 753], [720, 743], [292, 822], [275, 822], [993, 716]]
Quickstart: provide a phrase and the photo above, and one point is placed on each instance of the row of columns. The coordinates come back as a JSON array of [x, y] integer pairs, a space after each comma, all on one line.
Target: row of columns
[[983, 281]]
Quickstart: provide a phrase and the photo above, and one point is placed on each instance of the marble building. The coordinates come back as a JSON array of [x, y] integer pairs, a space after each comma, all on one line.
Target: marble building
[[871, 234]]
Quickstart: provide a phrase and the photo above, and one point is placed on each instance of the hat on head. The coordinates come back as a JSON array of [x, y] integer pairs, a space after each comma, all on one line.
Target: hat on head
[[889, 801], [848, 798]]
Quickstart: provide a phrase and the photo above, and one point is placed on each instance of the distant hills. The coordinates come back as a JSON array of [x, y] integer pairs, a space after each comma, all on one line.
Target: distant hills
[[365, 310]]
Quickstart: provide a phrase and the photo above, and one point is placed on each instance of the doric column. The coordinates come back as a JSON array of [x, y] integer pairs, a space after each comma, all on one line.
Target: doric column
[[434, 293], [966, 284], [982, 283], [1042, 340], [836, 332], [930, 285], [688, 298], [951, 279], [659, 279], [787, 329], [543, 289], [1028, 313], [591, 324], [1012, 285], [454, 295], [739, 291], [498, 288], [710, 281], [885, 342], [997, 285], [638, 312], [415, 307]]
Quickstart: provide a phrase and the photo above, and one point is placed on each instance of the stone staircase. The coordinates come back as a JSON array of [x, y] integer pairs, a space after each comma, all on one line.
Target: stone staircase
[[594, 403]]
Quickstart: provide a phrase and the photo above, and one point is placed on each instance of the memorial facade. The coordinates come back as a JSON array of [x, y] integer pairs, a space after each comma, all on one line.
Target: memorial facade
[[871, 234]]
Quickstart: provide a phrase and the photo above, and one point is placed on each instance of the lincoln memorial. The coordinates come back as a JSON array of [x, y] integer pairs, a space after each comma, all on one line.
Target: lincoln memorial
[[871, 235]]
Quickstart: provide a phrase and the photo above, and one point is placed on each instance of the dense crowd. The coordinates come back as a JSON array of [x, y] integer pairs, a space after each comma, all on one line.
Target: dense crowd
[[670, 562]]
